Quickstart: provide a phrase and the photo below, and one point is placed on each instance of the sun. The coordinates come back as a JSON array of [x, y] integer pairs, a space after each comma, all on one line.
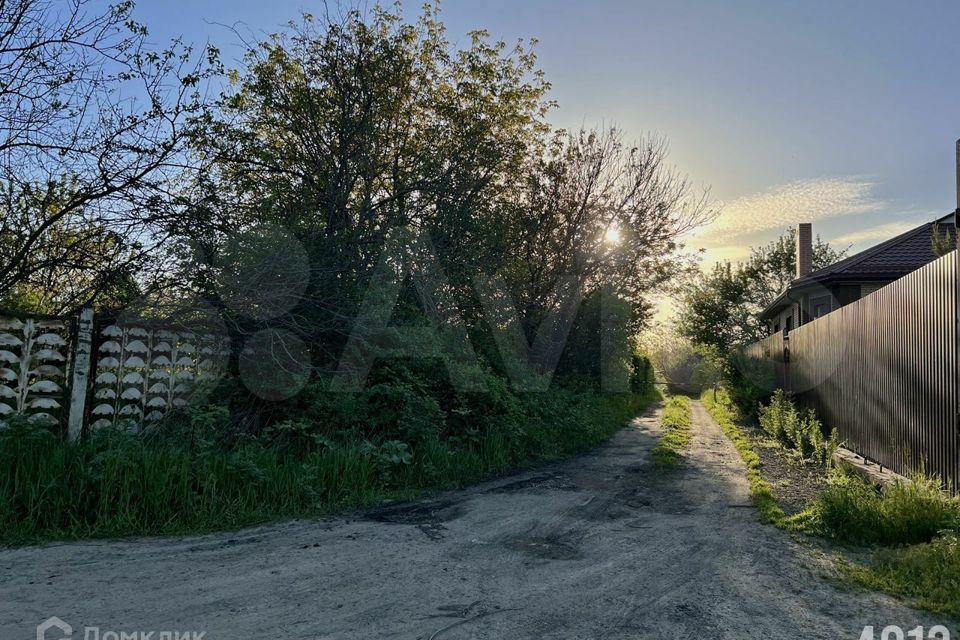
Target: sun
[[612, 235]]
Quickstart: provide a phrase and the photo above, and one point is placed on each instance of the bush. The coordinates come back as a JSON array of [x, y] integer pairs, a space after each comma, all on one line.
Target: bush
[[641, 372], [749, 382], [801, 433], [855, 511]]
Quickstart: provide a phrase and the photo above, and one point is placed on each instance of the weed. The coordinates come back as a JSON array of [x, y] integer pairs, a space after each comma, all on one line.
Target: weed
[[114, 483], [928, 574], [676, 435], [854, 511], [798, 432]]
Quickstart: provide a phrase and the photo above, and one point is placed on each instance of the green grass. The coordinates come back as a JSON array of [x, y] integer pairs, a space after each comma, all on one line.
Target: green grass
[[115, 484], [854, 511], [676, 434], [928, 574], [723, 411], [913, 527]]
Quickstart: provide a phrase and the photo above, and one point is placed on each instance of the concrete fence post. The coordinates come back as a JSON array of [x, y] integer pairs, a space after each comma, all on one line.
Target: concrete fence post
[[81, 374]]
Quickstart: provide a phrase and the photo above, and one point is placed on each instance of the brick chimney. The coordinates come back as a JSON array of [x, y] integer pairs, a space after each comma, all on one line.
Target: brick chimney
[[804, 249]]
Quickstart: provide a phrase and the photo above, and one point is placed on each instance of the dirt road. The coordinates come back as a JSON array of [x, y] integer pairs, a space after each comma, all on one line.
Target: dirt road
[[601, 546]]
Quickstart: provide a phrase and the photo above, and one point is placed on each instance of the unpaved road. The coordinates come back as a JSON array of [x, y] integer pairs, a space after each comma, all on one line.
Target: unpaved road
[[601, 546]]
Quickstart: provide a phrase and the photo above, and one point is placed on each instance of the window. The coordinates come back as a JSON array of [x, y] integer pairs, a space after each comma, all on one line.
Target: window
[[820, 307]]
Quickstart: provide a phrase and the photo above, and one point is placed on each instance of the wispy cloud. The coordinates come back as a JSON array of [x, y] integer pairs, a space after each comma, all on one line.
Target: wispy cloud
[[881, 232], [785, 205]]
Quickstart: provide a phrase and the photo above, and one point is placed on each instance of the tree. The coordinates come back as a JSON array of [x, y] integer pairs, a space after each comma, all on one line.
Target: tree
[[76, 260], [721, 309], [717, 310], [683, 365], [92, 135], [772, 267], [340, 130], [605, 213]]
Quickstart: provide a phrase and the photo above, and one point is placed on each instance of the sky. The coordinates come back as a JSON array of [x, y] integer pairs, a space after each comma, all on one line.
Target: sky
[[839, 113]]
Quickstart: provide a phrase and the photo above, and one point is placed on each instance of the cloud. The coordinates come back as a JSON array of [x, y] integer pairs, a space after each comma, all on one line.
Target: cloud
[[785, 205], [881, 232]]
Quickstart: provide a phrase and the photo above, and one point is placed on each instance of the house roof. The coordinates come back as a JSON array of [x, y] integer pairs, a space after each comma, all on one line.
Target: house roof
[[885, 262]]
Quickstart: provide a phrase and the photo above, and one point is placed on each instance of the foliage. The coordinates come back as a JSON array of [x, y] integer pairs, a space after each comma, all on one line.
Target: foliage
[[418, 134], [721, 308], [601, 347], [852, 510], [642, 374], [749, 381], [942, 241], [799, 432], [676, 432], [115, 483], [772, 267], [918, 514], [719, 405], [354, 162], [683, 365]]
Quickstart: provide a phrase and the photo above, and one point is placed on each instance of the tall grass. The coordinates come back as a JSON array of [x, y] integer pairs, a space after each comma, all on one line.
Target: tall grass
[[118, 484], [854, 511], [928, 574]]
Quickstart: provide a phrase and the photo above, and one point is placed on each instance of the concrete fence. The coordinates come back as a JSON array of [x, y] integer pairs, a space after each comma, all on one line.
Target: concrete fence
[[80, 373]]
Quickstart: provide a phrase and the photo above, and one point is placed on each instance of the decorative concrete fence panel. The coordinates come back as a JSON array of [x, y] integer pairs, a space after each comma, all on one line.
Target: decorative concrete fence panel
[[143, 371], [76, 374], [34, 361]]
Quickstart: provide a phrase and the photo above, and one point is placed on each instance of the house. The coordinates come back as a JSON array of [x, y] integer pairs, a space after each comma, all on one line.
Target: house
[[815, 293]]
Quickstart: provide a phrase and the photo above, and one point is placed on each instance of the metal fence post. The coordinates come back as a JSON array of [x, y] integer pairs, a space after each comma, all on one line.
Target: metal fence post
[[81, 374]]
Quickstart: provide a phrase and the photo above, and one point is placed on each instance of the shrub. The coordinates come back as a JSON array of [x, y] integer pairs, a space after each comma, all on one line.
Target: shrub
[[184, 477], [749, 382], [641, 372], [801, 433], [855, 511]]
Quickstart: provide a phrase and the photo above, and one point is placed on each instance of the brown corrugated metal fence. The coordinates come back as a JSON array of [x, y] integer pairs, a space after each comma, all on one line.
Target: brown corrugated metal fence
[[883, 371]]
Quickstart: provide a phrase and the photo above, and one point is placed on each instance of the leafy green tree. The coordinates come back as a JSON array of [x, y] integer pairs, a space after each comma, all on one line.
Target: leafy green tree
[[772, 267], [340, 130], [77, 260], [721, 308]]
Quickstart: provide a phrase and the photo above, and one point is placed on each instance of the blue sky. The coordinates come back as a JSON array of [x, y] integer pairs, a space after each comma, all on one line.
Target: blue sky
[[840, 113]]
